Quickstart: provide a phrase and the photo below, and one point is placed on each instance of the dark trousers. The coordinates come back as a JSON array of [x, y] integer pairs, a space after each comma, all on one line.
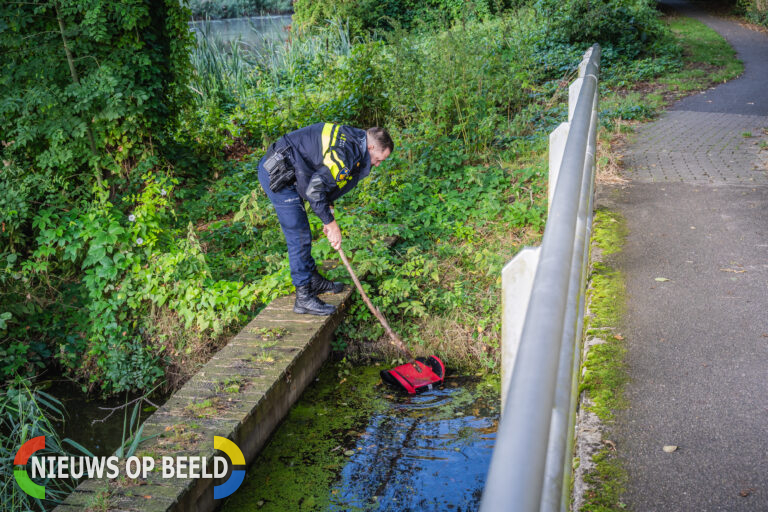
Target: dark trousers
[[293, 219]]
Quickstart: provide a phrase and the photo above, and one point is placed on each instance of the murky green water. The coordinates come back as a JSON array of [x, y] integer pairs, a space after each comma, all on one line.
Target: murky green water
[[256, 31], [91, 421], [351, 443]]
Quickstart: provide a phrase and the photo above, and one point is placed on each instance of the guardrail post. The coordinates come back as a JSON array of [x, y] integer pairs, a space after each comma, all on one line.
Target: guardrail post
[[516, 282], [573, 95], [530, 466], [557, 140], [585, 61]]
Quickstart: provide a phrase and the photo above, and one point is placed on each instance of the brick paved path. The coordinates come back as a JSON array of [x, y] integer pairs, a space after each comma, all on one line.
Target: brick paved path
[[700, 147], [697, 212]]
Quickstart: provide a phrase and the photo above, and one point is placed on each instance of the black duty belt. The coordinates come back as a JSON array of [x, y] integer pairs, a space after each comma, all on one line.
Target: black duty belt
[[279, 166]]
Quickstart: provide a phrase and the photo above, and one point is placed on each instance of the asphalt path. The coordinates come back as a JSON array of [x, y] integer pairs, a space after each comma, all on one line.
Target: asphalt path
[[746, 95], [696, 270]]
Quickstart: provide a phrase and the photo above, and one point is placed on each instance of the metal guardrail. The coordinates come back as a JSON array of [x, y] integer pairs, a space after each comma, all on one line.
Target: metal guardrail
[[543, 306]]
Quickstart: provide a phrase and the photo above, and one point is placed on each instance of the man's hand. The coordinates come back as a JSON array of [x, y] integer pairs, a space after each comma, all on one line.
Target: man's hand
[[333, 233]]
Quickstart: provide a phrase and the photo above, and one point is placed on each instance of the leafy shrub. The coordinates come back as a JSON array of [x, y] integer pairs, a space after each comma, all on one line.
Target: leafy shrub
[[114, 75], [133, 267], [632, 25], [369, 16], [463, 82], [754, 10]]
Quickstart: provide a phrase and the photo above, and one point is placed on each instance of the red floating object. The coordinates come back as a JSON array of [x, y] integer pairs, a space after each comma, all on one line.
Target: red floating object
[[421, 374]]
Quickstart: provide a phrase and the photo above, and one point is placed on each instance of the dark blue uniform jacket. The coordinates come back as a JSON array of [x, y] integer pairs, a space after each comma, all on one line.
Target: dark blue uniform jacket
[[329, 160]]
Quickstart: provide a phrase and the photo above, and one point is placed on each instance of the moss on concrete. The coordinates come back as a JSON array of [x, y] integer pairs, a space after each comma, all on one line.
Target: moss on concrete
[[609, 231], [604, 372], [606, 483], [208, 408]]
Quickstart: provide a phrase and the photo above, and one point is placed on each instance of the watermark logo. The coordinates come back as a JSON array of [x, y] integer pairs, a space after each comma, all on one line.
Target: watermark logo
[[21, 475], [238, 475], [134, 467]]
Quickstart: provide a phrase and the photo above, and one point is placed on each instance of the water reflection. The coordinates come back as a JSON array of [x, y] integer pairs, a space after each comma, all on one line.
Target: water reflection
[[255, 31], [417, 457], [353, 444]]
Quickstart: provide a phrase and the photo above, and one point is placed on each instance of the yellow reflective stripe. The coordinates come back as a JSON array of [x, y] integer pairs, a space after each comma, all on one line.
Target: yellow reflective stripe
[[331, 158], [327, 129], [334, 135]]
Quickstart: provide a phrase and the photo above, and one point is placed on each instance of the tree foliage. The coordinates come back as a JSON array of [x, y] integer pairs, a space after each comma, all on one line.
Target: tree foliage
[[367, 16], [85, 88], [121, 268]]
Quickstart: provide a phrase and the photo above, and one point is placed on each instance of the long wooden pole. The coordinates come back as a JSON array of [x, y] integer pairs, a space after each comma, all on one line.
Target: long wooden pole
[[396, 341]]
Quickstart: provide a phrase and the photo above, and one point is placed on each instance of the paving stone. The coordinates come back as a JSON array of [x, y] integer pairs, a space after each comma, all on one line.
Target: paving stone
[[699, 147]]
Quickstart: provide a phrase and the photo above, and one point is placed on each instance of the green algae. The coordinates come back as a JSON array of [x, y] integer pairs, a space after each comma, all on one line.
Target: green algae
[[300, 467], [303, 458]]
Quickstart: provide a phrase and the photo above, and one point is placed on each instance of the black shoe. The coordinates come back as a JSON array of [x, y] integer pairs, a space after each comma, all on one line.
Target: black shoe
[[307, 302], [320, 284]]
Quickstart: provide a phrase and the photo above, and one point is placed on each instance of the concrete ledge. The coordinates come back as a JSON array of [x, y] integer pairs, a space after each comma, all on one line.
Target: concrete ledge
[[242, 393]]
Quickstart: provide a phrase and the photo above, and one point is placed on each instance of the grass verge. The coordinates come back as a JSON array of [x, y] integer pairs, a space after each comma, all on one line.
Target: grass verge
[[709, 59]]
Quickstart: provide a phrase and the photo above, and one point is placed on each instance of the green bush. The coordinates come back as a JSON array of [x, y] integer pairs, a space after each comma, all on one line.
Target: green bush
[[631, 25], [370, 16], [132, 267], [465, 82], [755, 11], [88, 88]]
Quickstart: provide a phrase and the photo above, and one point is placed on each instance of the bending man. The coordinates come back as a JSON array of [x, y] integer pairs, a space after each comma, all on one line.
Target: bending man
[[318, 164]]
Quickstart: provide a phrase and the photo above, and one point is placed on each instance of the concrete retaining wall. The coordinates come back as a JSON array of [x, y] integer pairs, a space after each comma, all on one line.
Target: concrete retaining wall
[[242, 394]]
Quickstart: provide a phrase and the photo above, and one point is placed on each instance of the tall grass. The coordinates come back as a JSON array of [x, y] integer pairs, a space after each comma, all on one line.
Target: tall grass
[[233, 70], [235, 8], [24, 414], [220, 68], [282, 61]]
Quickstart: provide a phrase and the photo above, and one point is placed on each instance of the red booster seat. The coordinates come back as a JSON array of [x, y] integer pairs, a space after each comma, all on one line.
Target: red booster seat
[[421, 374]]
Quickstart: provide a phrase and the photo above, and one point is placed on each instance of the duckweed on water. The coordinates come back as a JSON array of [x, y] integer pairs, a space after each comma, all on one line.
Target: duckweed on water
[[351, 443]]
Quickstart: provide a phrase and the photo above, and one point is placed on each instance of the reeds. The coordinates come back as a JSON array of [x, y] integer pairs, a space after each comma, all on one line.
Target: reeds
[[235, 70], [235, 8], [24, 414]]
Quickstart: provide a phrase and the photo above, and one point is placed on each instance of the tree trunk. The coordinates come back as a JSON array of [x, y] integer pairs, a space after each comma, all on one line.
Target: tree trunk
[[76, 80]]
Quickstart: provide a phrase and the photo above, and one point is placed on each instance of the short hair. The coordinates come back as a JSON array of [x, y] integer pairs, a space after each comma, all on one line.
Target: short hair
[[381, 138]]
